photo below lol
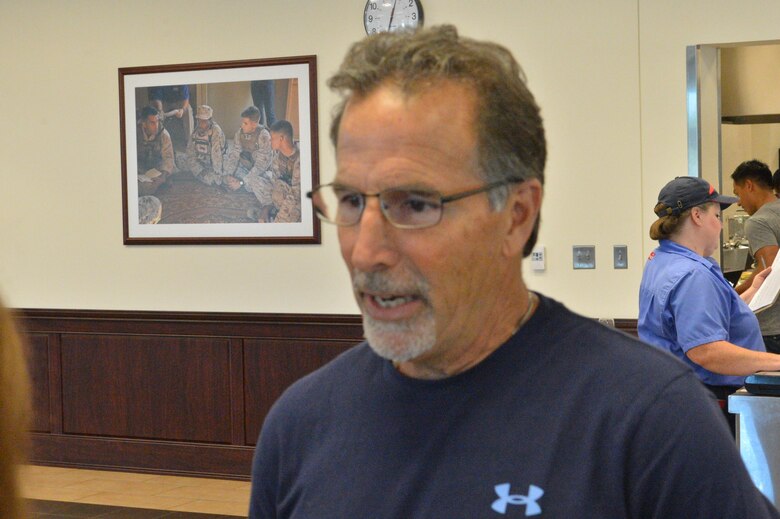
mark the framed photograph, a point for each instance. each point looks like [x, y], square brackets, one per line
[219, 153]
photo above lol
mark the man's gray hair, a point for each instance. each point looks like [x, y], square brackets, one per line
[510, 134]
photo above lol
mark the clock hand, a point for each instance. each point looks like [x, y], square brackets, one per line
[392, 11]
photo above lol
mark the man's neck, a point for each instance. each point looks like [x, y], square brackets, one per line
[765, 197]
[458, 358]
[288, 150]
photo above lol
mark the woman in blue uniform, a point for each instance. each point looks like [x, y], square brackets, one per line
[686, 306]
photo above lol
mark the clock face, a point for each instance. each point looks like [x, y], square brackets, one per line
[392, 15]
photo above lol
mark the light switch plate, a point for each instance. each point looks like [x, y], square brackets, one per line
[584, 256]
[538, 258]
[620, 256]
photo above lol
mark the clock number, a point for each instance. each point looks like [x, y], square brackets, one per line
[411, 3]
[370, 18]
[414, 16]
[373, 6]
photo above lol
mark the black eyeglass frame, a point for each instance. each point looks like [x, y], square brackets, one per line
[442, 200]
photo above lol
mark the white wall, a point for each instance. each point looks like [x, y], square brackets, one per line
[609, 75]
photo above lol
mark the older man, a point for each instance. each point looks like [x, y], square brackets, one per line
[473, 396]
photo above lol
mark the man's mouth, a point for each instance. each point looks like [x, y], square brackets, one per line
[386, 297]
[387, 307]
[391, 301]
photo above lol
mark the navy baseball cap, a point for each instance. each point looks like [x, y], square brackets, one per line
[685, 192]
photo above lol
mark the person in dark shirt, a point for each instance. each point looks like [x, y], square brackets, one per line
[474, 396]
[173, 103]
[264, 98]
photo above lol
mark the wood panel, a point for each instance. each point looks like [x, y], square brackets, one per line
[271, 366]
[194, 324]
[38, 363]
[188, 459]
[166, 392]
[627, 326]
[237, 422]
[168, 388]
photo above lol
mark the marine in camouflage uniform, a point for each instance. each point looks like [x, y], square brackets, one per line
[286, 166]
[154, 150]
[249, 159]
[206, 148]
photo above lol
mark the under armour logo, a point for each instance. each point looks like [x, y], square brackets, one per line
[505, 499]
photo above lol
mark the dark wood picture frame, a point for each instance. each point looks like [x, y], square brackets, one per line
[189, 210]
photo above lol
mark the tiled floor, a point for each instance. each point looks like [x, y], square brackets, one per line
[140, 491]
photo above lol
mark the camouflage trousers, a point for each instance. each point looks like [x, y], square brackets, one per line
[203, 172]
[287, 201]
[261, 184]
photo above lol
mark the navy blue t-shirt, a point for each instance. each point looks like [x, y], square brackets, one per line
[567, 419]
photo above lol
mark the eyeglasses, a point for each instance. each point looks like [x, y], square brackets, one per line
[405, 208]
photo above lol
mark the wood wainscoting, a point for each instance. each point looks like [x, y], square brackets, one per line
[174, 393]
[169, 392]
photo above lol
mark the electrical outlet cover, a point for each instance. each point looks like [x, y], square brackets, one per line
[620, 256]
[584, 256]
[538, 258]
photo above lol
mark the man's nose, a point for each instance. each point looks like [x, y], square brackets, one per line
[374, 247]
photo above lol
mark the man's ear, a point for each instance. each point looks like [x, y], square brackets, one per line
[523, 206]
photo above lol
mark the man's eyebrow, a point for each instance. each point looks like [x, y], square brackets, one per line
[411, 186]
[342, 185]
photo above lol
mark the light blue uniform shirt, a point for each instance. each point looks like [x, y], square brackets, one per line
[684, 302]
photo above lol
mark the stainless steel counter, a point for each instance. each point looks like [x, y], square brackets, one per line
[758, 439]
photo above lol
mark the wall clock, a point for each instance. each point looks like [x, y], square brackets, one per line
[392, 15]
